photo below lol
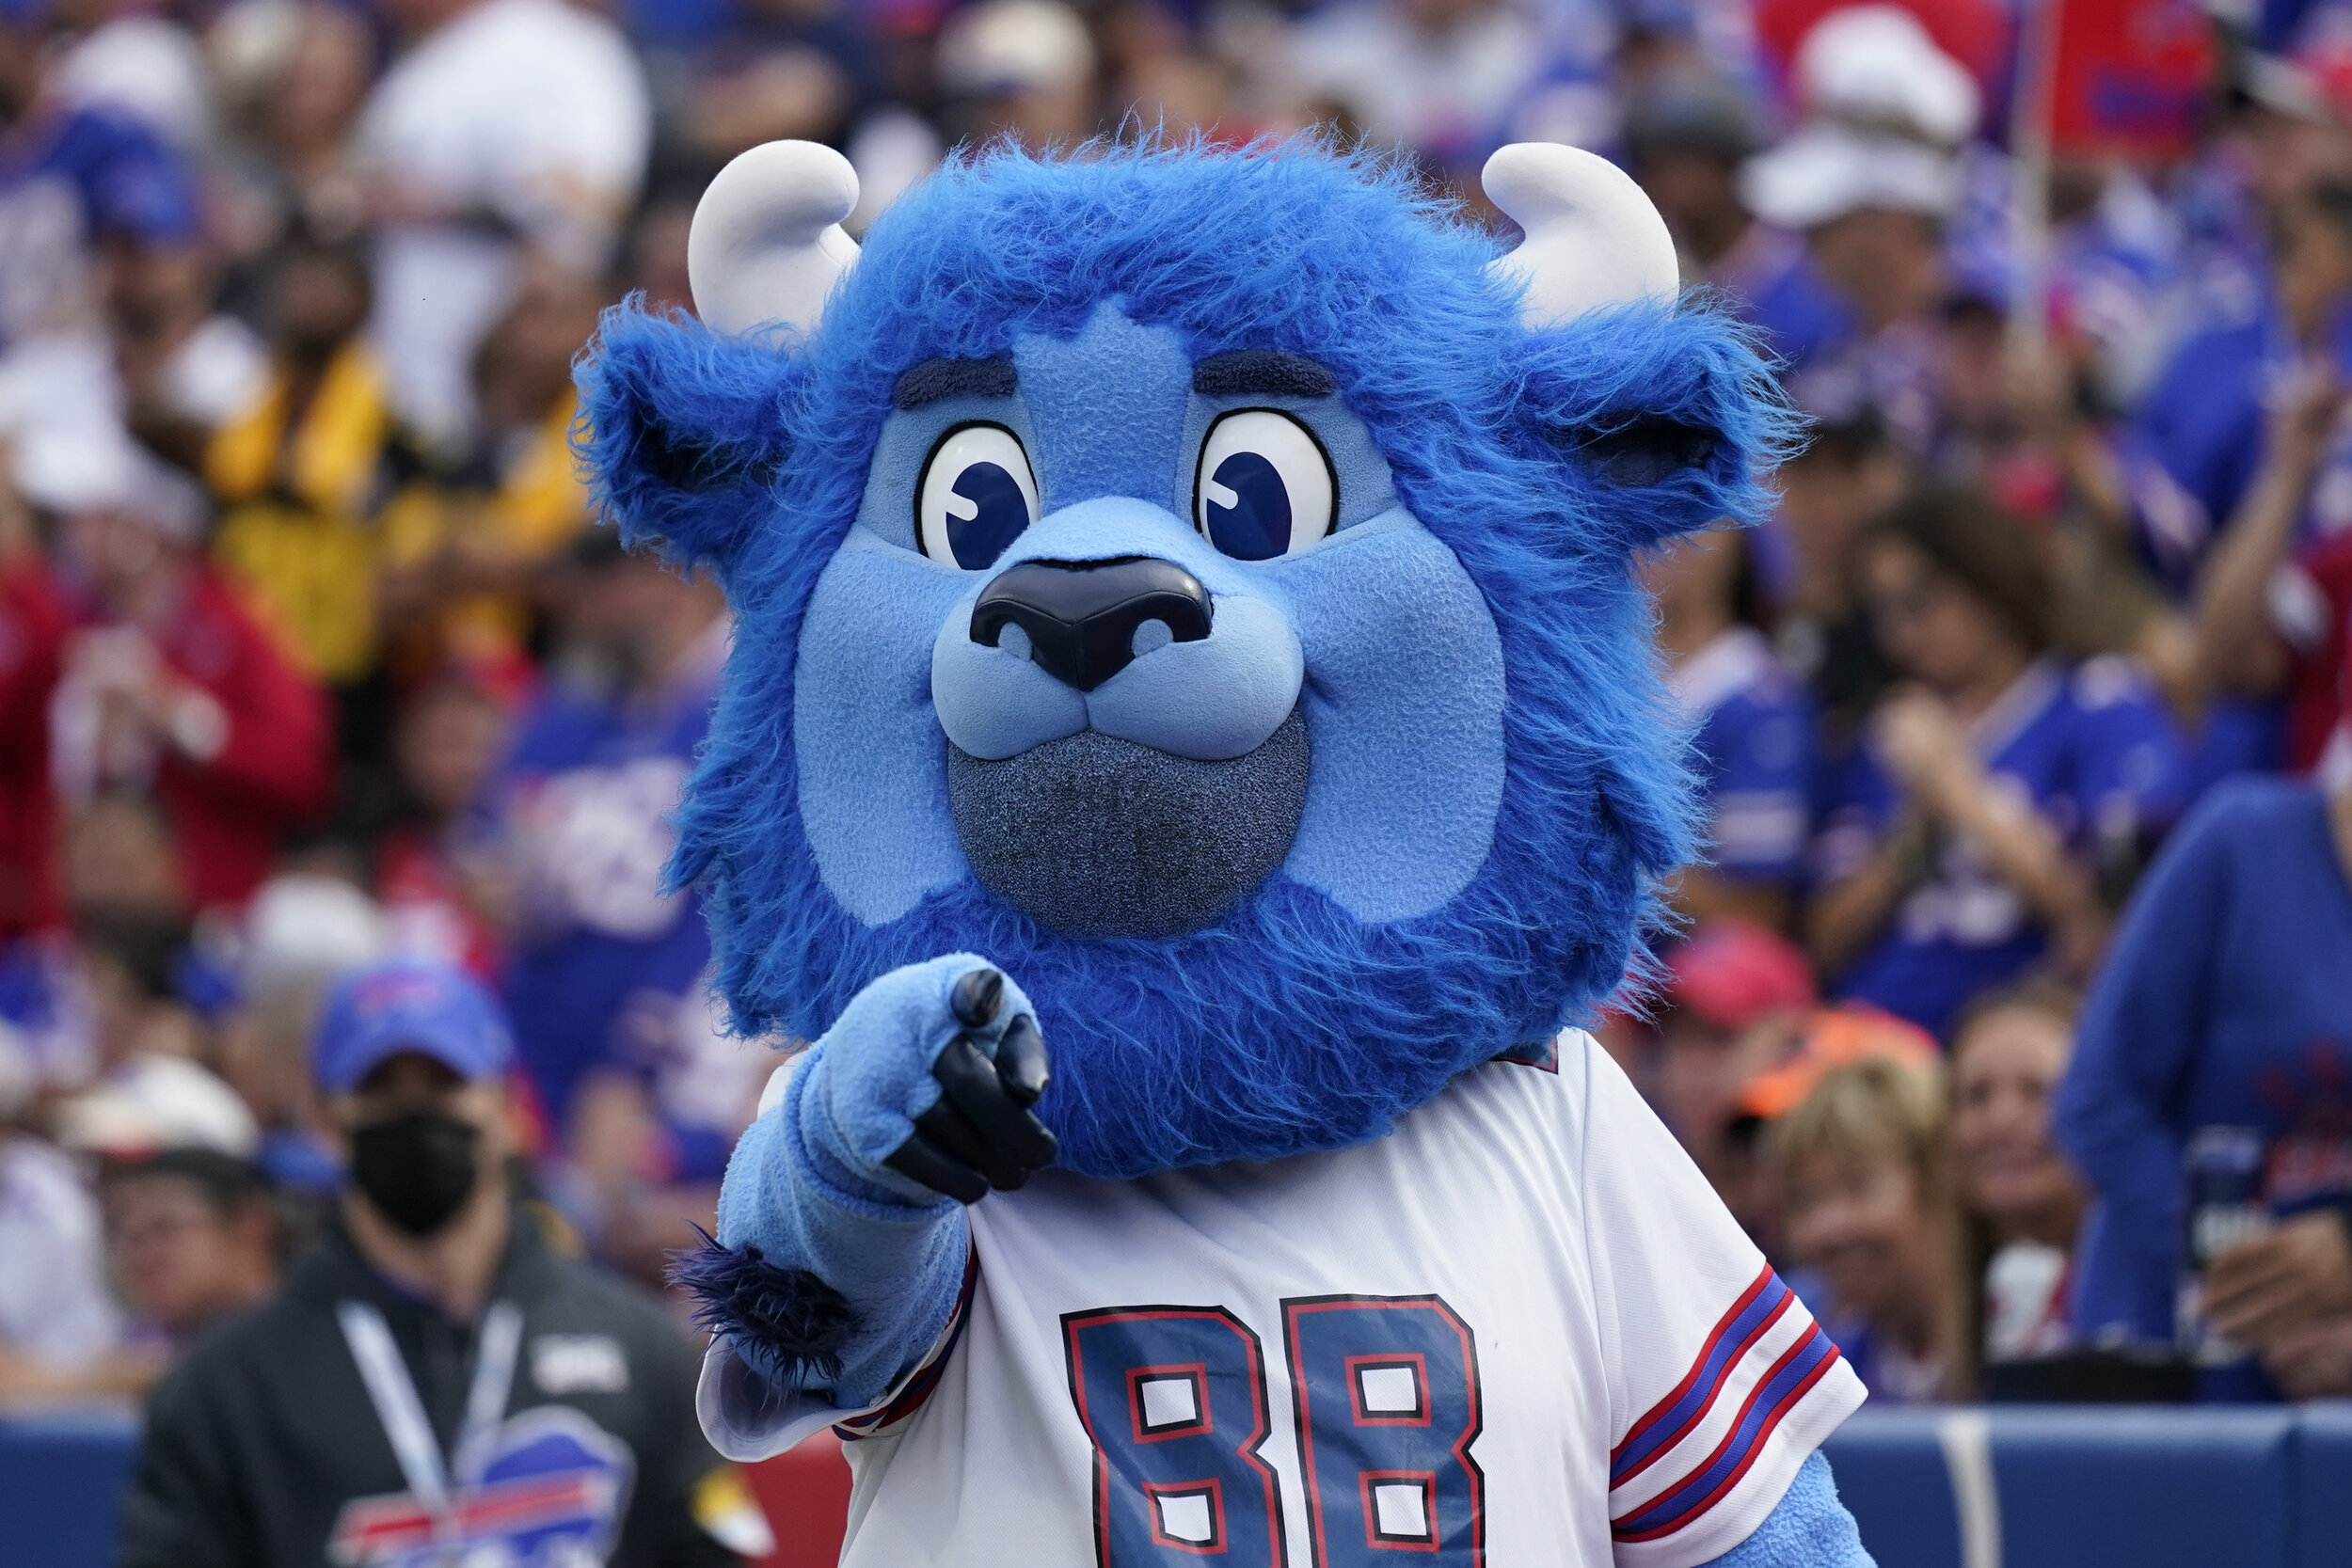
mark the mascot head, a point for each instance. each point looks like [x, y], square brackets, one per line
[1199, 581]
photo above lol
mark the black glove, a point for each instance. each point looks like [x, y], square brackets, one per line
[982, 1133]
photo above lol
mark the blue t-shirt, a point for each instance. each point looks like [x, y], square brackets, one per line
[1772, 283]
[2226, 1001]
[603, 956]
[2194, 443]
[2188, 459]
[1753, 752]
[2095, 753]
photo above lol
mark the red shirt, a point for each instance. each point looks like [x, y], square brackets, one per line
[420, 894]
[274, 771]
[2315, 683]
[32, 636]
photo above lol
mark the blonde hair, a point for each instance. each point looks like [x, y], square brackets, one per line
[1881, 1108]
[1877, 1106]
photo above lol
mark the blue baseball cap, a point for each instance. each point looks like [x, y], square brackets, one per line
[379, 1012]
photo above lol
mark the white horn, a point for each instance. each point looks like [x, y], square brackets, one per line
[1593, 238]
[767, 246]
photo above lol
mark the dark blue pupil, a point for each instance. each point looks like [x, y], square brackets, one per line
[979, 539]
[1257, 527]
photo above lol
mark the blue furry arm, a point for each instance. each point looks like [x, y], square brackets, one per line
[1809, 1529]
[832, 1276]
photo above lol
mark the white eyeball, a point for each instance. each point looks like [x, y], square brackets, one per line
[1265, 487]
[975, 497]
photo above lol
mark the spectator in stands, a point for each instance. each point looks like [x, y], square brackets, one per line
[1023, 68]
[188, 367]
[451, 738]
[302, 932]
[779, 69]
[1686, 134]
[650, 1124]
[2223, 1004]
[73, 178]
[1861, 1165]
[1736, 1002]
[58, 1323]
[1754, 730]
[464, 551]
[192, 1237]
[1847, 473]
[2240, 475]
[1435, 77]
[127, 958]
[1161, 75]
[602, 959]
[2199, 438]
[2273, 593]
[506, 132]
[126, 1081]
[1872, 182]
[298, 471]
[2020, 1198]
[1730, 974]
[292, 78]
[33, 629]
[1999, 788]
[120, 854]
[657, 254]
[408, 1333]
[169, 686]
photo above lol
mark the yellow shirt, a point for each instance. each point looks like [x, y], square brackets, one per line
[297, 535]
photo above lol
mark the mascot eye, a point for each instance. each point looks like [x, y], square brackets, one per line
[1265, 487]
[976, 496]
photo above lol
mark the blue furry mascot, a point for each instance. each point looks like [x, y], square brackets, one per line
[1191, 747]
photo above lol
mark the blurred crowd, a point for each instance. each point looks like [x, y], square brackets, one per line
[2006, 723]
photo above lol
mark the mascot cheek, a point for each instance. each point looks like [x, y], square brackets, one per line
[873, 767]
[1405, 695]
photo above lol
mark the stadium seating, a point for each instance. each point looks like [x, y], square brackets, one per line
[2048, 1487]
[61, 1479]
[62, 1476]
[2006, 1487]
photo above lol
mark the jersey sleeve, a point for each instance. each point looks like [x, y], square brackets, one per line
[1720, 1381]
[2132, 772]
[748, 1417]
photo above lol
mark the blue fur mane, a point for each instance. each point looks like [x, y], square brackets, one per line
[1290, 1025]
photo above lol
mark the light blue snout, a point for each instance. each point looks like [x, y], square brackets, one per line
[1208, 698]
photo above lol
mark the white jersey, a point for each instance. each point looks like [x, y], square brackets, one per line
[1519, 1331]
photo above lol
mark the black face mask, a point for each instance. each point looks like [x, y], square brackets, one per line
[417, 1170]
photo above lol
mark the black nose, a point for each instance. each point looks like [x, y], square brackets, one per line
[1081, 616]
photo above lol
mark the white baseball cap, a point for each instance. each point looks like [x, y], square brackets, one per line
[153, 1102]
[1013, 45]
[1827, 170]
[93, 466]
[1876, 65]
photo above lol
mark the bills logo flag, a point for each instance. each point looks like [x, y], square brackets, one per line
[2128, 77]
[545, 1490]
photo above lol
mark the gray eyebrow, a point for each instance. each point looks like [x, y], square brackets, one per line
[1264, 370]
[937, 380]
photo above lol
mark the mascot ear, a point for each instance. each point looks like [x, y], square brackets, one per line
[1660, 424]
[681, 421]
[682, 432]
[1663, 417]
